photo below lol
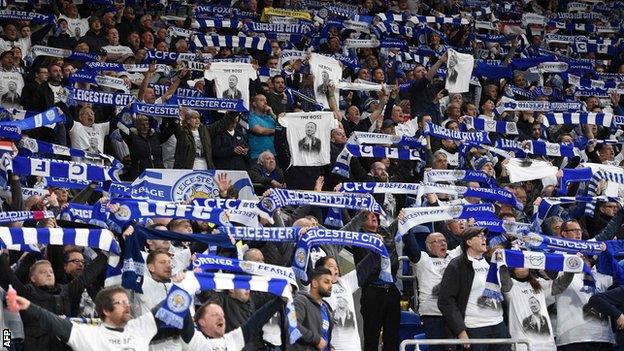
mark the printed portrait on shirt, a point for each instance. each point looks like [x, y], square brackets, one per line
[342, 316]
[310, 143]
[535, 322]
[232, 91]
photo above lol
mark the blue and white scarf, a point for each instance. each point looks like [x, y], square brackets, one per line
[46, 118]
[216, 263]
[593, 186]
[156, 110]
[284, 197]
[513, 105]
[39, 50]
[8, 131]
[589, 83]
[204, 103]
[27, 16]
[355, 147]
[295, 28]
[447, 175]
[532, 260]
[21, 216]
[233, 204]
[134, 209]
[501, 226]
[195, 282]
[540, 242]
[485, 125]
[599, 119]
[491, 194]
[317, 236]
[99, 97]
[35, 146]
[83, 214]
[379, 188]
[416, 216]
[215, 23]
[285, 234]
[444, 133]
[102, 81]
[169, 57]
[232, 41]
[54, 168]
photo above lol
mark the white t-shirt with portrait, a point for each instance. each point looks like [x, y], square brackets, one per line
[135, 336]
[76, 27]
[232, 341]
[345, 330]
[481, 311]
[429, 272]
[523, 322]
[573, 326]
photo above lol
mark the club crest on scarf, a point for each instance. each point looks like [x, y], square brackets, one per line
[178, 301]
[455, 211]
[573, 262]
[300, 257]
[196, 185]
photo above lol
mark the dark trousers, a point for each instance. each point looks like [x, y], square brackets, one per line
[381, 309]
[435, 329]
[582, 346]
[499, 331]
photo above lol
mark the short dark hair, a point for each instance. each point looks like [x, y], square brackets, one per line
[320, 263]
[318, 272]
[151, 257]
[68, 253]
[104, 299]
[199, 313]
[275, 77]
[565, 224]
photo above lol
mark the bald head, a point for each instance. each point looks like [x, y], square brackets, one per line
[436, 245]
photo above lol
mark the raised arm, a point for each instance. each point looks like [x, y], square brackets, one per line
[47, 321]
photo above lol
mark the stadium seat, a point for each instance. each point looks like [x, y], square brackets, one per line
[410, 325]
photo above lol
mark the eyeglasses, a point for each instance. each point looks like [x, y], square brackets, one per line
[573, 230]
[76, 261]
[122, 303]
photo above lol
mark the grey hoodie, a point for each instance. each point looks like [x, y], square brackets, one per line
[309, 322]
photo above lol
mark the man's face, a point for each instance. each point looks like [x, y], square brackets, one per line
[121, 314]
[161, 267]
[159, 244]
[478, 243]
[87, 117]
[260, 102]
[43, 276]
[323, 284]
[534, 305]
[10, 31]
[437, 245]
[184, 227]
[7, 61]
[212, 323]
[572, 230]
[68, 71]
[55, 74]
[149, 96]
[113, 36]
[440, 161]
[272, 63]
[419, 72]
[371, 224]
[268, 162]
[232, 81]
[310, 129]
[609, 209]
[279, 85]
[606, 153]
[353, 114]
[555, 228]
[333, 267]
[75, 264]
[339, 136]
[12, 87]
[456, 226]
[142, 126]
[325, 76]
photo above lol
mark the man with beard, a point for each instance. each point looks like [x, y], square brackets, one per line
[313, 313]
[117, 332]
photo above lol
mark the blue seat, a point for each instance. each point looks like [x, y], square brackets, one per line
[410, 325]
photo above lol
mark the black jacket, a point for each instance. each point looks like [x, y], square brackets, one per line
[145, 152]
[223, 154]
[61, 300]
